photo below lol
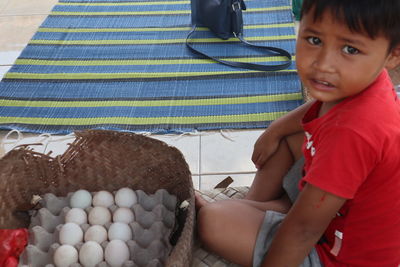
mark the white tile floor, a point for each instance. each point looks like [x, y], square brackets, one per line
[211, 156]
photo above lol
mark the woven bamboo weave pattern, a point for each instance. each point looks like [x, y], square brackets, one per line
[100, 160]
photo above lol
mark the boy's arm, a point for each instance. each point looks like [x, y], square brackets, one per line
[268, 142]
[303, 227]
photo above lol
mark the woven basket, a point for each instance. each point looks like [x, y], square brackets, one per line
[100, 160]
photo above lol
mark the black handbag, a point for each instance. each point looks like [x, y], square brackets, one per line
[224, 18]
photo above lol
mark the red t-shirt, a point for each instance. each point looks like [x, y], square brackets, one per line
[353, 151]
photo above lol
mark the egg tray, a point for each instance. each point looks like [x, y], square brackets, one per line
[151, 230]
[100, 160]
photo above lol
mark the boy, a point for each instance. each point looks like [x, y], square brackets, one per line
[348, 210]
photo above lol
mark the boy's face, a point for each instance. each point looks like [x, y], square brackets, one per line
[334, 63]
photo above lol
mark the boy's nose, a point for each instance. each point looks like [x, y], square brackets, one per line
[325, 61]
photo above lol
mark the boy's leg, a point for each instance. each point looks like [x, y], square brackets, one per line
[267, 183]
[230, 228]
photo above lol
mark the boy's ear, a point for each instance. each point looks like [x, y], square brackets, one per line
[393, 59]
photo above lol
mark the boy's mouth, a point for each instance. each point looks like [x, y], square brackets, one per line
[322, 85]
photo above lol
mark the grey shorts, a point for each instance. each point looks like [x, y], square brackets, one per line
[273, 219]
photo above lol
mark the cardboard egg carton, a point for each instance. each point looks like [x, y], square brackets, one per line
[151, 230]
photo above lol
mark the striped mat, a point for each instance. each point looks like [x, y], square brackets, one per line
[123, 65]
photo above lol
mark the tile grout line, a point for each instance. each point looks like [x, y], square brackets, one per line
[199, 162]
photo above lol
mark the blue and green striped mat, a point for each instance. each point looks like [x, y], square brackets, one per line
[123, 65]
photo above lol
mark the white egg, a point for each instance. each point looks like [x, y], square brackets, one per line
[96, 233]
[125, 197]
[103, 198]
[76, 215]
[99, 215]
[90, 254]
[65, 255]
[120, 231]
[70, 234]
[80, 199]
[124, 215]
[116, 253]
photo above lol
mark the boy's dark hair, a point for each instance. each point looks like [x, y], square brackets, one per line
[374, 17]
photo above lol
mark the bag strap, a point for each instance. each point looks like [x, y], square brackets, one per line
[237, 32]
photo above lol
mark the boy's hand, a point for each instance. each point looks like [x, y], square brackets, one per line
[265, 147]
[268, 142]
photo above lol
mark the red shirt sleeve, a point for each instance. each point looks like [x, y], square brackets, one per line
[341, 162]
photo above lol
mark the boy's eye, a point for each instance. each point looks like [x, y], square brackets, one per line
[314, 40]
[350, 50]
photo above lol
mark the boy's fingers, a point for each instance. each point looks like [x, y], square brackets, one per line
[259, 163]
[258, 166]
[254, 157]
